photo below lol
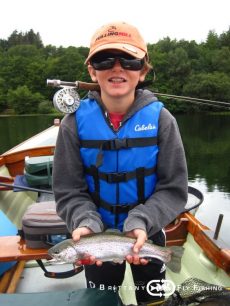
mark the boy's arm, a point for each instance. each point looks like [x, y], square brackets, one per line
[170, 196]
[74, 204]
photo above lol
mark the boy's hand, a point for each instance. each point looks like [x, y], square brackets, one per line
[76, 235]
[141, 237]
[80, 231]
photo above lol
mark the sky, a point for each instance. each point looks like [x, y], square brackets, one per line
[73, 22]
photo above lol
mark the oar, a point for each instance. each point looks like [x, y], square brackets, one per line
[12, 186]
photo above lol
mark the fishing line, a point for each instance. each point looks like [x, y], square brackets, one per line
[192, 99]
[208, 104]
[213, 103]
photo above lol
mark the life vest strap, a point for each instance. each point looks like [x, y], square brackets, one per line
[115, 209]
[95, 174]
[117, 177]
[140, 174]
[117, 144]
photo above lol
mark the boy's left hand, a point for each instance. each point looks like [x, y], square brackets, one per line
[141, 237]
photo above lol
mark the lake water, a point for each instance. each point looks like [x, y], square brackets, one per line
[206, 140]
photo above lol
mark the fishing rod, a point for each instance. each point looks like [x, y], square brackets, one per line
[192, 99]
[25, 188]
[77, 84]
[209, 104]
[67, 99]
[213, 103]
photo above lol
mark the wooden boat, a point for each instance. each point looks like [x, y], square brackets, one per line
[205, 257]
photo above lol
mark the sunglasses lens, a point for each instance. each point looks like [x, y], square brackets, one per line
[132, 64]
[104, 61]
[104, 64]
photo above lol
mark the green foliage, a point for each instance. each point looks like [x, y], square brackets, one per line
[212, 41]
[68, 65]
[213, 86]
[3, 103]
[181, 68]
[23, 101]
[3, 98]
[45, 107]
[225, 39]
[27, 38]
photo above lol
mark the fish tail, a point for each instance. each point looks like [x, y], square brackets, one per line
[175, 263]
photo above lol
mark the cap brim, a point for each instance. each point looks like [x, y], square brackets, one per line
[132, 50]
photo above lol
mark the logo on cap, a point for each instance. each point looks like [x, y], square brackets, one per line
[112, 28]
[111, 32]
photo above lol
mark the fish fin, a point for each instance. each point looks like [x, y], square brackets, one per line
[175, 263]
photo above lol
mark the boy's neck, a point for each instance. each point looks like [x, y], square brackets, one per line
[117, 105]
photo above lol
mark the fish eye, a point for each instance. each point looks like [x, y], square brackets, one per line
[56, 252]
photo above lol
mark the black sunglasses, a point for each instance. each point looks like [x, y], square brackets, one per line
[105, 60]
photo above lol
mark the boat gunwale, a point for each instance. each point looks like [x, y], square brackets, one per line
[201, 234]
[14, 149]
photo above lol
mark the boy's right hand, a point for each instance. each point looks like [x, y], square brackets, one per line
[76, 235]
[80, 231]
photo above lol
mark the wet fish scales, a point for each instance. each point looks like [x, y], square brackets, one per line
[109, 247]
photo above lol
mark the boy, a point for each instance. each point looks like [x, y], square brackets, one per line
[119, 160]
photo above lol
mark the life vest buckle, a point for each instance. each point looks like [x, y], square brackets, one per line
[119, 209]
[116, 177]
[117, 144]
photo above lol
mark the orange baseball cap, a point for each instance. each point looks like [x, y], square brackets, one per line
[120, 36]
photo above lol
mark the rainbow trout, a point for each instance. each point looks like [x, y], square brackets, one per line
[113, 247]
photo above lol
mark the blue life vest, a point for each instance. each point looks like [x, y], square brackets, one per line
[120, 166]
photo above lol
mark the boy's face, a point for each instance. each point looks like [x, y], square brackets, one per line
[117, 73]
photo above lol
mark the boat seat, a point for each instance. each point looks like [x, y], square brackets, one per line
[38, 170]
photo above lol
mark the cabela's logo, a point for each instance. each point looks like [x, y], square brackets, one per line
[143, 127]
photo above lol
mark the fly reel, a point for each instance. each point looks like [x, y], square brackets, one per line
[66, 100]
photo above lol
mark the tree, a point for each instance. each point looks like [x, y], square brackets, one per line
[213, 86]
[166, 44]
[212, 41]
[45, 107]
[3, 98]
[68, 66]
[4, 44]
[179, 69]
[23, 101]
[224, 39]
[220, 60]
[27, 38]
